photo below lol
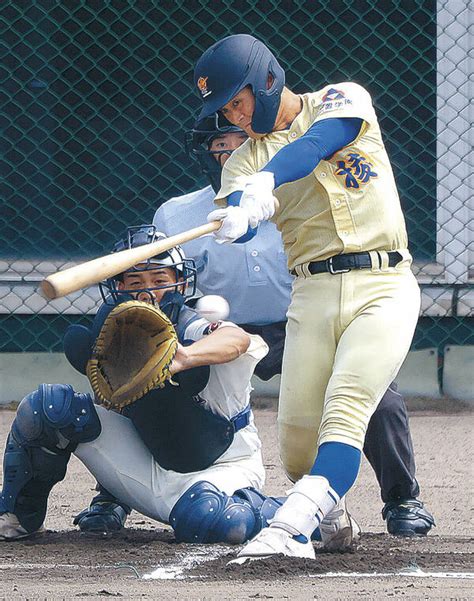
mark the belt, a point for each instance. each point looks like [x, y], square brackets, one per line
[242, 419]
[345, 263]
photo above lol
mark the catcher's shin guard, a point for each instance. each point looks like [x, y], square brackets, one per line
[49, 424]
[29, 475]
[204, 514]
[264, 507]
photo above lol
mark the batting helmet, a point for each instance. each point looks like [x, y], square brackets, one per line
[185, 272]
[230, 65]
[198, 141]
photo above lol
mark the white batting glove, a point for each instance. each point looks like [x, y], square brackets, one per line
[235, 223]
[257, 197]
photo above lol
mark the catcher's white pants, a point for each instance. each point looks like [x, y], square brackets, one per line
[121, 462]
[347, 337]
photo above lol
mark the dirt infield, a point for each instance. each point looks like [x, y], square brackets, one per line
[63, 564]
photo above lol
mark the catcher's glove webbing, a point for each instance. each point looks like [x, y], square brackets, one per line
[132, 354]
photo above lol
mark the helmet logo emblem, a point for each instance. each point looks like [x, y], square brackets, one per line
[202, 85]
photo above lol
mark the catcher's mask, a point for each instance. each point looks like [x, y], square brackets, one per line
[183, 286]
[198, 142]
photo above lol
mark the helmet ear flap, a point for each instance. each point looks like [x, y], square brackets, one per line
[267, 99]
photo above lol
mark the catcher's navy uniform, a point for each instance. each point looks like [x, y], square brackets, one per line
[199, 469]
[159, 460]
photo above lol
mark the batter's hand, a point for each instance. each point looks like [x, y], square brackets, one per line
[235, 223]
[257, 197]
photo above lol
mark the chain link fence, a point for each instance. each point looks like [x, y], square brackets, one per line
[95, 97]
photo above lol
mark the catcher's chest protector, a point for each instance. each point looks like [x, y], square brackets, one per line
[180, 433]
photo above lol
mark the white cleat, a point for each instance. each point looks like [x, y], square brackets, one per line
[339, 529]
[274, 541]
[10, 528]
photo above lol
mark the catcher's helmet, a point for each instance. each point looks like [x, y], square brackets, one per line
[198, 141]
[174, 258]
[230, 65]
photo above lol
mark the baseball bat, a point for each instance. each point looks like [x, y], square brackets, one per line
[92, 272]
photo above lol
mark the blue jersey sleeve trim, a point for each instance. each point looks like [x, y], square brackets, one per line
[322, 140]
[233, 200]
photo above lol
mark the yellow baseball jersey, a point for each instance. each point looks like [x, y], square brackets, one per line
[349, 203]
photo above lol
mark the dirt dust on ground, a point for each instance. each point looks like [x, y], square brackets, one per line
[144, 561]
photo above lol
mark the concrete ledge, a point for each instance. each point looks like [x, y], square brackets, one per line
[418, 375]
[270, 388]
[458, 373]
[21, 373]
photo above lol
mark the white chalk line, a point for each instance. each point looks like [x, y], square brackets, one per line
[176, 571]
[410, 573]
[165, 572]
[50, 566]
[188, 561]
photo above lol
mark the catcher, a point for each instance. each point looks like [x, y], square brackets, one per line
[172, 437]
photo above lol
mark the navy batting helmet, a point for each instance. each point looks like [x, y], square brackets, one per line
[198, 141]
[230, 65]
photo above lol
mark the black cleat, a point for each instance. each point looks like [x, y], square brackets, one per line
[407, 517]
[102, 518]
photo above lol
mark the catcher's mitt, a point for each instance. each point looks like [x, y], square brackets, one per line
[132, 354]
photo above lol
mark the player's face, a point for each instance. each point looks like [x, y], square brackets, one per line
[239, 111]
[225, 145]
[151, 278]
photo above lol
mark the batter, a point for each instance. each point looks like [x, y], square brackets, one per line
[355, 301]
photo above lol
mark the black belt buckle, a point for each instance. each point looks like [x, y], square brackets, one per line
[331, 268]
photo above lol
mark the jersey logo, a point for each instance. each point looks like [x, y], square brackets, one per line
[332, 100]
[202, 86]
[356, 170]
[333, 94]
[212, 327]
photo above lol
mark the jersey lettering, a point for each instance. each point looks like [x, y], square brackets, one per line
[356, 169]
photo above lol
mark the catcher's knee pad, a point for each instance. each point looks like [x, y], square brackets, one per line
[56, 417]
[204, 514]
[29, 474]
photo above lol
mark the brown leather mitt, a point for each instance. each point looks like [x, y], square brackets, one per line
[132, 354]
